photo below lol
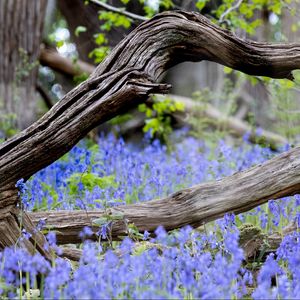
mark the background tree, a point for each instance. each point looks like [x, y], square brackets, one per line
[21, 24]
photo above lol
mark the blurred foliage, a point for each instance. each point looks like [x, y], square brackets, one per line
[243, 18]
[158, 116]
[7, 126]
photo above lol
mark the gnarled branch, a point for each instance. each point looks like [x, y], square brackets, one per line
[235, 126]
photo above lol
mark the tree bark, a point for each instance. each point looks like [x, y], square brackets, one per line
[125, 79]
[55, 61]
[21, 25]
[252, 240]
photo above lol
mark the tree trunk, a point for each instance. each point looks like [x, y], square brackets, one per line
[21, 25]
[125, 79]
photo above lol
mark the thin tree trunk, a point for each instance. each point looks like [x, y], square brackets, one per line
[125, 79]
[21, 25]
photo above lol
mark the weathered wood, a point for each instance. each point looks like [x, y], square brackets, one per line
[126, 78]
[278, 177]
[71, 253]
[252, 240]
[235, 126]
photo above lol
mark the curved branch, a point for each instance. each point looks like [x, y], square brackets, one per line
[128, 76]
[236, 127]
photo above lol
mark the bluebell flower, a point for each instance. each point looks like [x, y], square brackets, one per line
[146, 235]
[86, 232]
[21, 186]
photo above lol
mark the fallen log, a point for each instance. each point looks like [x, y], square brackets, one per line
[252, 240]
[277, 178]
[125, 79]
[234, 125]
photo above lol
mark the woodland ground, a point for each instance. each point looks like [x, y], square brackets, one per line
[204, 263]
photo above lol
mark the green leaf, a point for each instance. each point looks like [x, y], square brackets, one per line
[201, 4]
[227, 70]
[120, 119]
[179, 106]
[100, 221]
[59, 44]
[99, 53]
[90, 181]
[79, 30]
[117, 216]
[100, 39]
[142, 107]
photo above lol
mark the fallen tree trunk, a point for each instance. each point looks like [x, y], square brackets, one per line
[235, 126]
[254, 243]
[125, 79]
[194, 206]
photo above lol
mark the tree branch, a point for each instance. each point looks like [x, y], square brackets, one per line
[236, 127]
[52, 59]
[229, 10]
[252, 241]
[277, 178]
[126, 78]
[120, 11]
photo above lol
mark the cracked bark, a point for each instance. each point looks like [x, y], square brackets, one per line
[235, 126]
[125, 79]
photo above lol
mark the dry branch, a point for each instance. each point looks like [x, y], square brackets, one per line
[278, 177]
[125, 79]
[121, 11]
[52, 59]
[236, 127]
[252, 244]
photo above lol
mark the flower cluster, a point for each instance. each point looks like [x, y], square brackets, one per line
[115, 173]
[178, 266]
[184, 264]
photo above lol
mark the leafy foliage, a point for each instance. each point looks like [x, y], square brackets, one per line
[158, 120]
